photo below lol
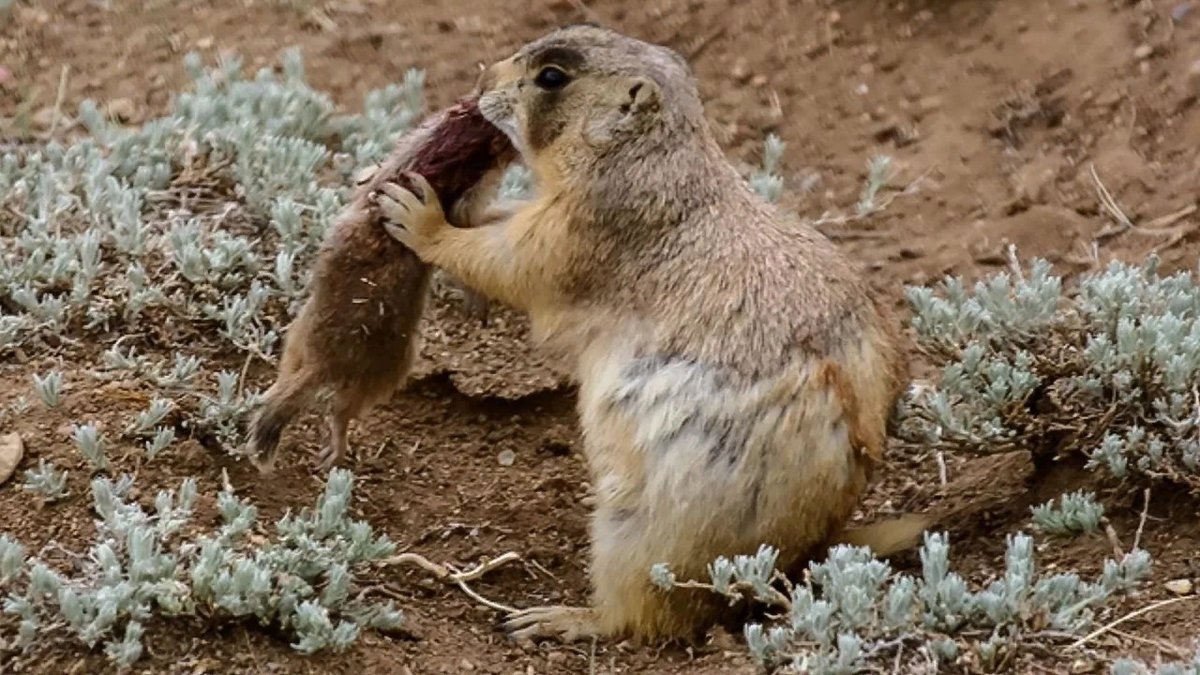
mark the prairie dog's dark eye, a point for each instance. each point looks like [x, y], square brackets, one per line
[551, 77]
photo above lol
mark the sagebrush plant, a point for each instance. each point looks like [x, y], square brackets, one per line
[1136, 667]
[1109, 368]
[766, 180]
[47, 481]
[298, 578]
[853, 613]
[1073, 513]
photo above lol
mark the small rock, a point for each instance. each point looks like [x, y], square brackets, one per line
[205, 42]
[466, 665]
[758, 80]
[1143, 52]
[556, 657]
[740, 72]
[506, 457]
[12, 449]
[6, 76]
[929, 104]
[1180, 586]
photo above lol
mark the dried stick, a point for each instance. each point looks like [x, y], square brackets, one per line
[1137, 538]
[450, 575]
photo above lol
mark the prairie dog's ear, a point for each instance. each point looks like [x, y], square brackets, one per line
[641, 95]
[626, 105]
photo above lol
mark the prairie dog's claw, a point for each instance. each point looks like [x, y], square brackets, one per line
[399, 234]
[566, 624]
[426, 192]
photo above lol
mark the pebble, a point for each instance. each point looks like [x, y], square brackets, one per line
[1143, 52]
[929, 104]
[1180, 586]
[506, 457]
[740, 71]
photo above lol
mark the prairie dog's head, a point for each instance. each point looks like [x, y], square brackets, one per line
[588, 90]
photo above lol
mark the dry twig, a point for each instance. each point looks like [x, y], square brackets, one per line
[450, 575]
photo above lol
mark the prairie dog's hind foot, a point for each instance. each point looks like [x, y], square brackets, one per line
[330, 456]
[339, 432]
[566, 624]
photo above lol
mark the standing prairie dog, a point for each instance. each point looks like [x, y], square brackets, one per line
[735, 375]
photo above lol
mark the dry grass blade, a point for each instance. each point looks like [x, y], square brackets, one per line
[1132, 615]
[1110, 206]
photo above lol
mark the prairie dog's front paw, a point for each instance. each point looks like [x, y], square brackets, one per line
[413, 219]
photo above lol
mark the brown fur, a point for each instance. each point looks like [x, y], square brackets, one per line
[736, 375]
[357, 333]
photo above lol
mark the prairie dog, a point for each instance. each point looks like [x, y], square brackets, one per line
[356, 335]
[736, 377]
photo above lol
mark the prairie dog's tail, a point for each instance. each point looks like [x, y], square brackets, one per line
[886, 537]
[288, 397]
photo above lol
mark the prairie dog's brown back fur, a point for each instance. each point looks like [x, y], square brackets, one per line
[736, 376]
[356, 335]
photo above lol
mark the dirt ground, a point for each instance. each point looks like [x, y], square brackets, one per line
[995, 114]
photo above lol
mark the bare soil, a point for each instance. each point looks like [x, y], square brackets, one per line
[995, 114]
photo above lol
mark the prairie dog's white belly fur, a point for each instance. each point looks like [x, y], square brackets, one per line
[689, 463]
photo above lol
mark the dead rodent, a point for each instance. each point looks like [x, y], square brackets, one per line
[735, 374]
[356, 336]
